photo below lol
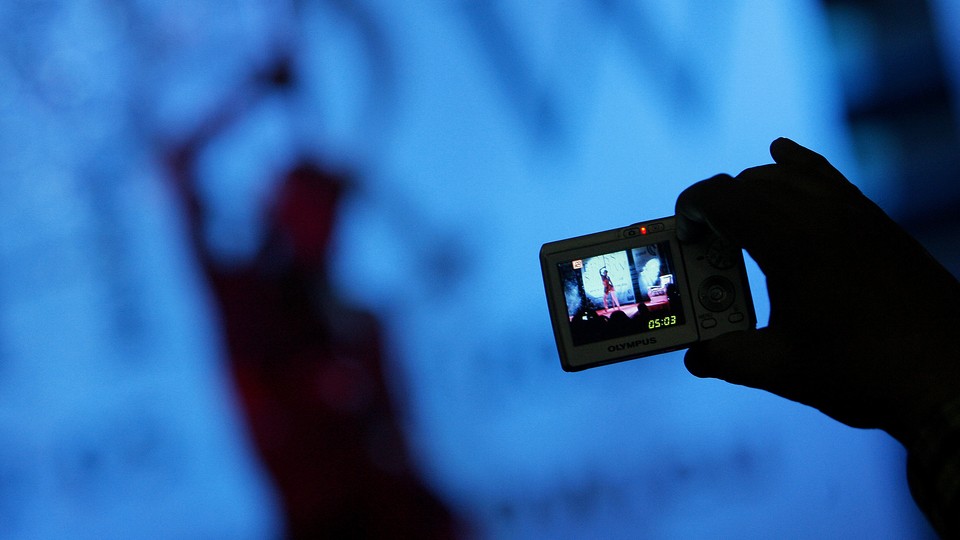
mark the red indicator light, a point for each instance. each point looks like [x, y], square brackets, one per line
[643, 230]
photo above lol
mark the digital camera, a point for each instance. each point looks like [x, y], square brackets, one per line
[637, 291]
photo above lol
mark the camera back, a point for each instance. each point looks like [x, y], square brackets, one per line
[638, 291]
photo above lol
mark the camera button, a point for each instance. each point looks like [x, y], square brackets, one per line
[721, 254]
[708, 322]
[716, 293]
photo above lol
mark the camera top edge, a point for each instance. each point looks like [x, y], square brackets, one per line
[650, 227]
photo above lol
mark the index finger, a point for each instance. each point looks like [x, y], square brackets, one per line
[711, 205]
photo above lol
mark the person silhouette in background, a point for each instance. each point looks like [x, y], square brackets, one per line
[861, 360]
[308, 367]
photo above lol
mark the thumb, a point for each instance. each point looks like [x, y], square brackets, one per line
[791, 155]
[755, 358]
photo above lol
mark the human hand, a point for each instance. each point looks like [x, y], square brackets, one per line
[863, 321]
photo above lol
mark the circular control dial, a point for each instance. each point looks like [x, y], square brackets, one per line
[720, 254]
[716, 293]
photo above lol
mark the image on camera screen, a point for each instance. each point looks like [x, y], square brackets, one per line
[621, 293]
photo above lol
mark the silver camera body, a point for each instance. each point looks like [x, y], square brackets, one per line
[638, 291]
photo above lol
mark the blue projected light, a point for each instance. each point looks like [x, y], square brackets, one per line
[477, 131]
[520, 128]
[120, 418]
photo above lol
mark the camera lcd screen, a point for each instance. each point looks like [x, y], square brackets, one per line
[622, 293]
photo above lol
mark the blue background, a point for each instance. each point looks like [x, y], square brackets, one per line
[475, 131]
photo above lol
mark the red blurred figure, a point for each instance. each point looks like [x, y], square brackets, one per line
[308, 368]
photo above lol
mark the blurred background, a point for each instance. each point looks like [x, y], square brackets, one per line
[269, 268]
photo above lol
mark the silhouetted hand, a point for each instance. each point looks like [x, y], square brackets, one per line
[864, 323]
